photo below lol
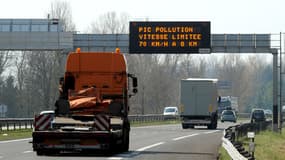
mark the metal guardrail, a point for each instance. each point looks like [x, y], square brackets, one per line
[16, 123]
[27, 123]
[151, 118]
[233, 146]
[243, 115]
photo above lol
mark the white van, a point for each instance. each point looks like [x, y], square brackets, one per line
[170, 112]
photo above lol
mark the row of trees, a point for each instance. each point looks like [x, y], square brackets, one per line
[160, 75]
[29, 80]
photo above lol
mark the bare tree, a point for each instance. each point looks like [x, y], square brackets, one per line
[111, 23]
[62, 10]
[192, 66]
[5, 56]
[38, 72]
[4, 62]
[21, 74]
[21, 66]
[238, 72]
[10, 96]
[262, 82]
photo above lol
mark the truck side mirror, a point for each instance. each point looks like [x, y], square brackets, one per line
[61, 80]
[135, 85]
[219, 99]
[69, 82]
[61, 85]
[135, 82]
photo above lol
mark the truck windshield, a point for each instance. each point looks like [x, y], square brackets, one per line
[169, 110]
[228, 113]
[224, 104]
[258, 114]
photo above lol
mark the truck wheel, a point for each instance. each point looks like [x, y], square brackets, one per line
[126, 140]
[47, 152]
[191, 126]
[215, 125]
[40, 152]
[184, 126]
[212, 126]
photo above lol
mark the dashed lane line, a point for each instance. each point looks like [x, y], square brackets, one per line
[27, 152]
[115, 158]
[150, 146]
[136, 152]
[183, 137]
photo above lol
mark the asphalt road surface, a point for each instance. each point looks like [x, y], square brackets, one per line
[149, 143]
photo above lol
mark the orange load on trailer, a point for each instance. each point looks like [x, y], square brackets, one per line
[94, 79]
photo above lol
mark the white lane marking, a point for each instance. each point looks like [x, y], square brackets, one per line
[120, 156]
[136, 152]
[211, 132]
[191, 135]
[150, 146]
[116, 158]
[155, 126]
[27, 152]
[16, 140]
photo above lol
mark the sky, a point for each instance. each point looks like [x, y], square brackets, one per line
[226, 16]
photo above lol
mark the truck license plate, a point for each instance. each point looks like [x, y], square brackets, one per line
[69, 146]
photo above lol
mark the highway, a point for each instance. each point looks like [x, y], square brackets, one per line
[149, 142]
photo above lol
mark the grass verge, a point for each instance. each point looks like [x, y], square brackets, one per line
[15, 134]
[223, 154]
[27, 133]
[268, 146]
[137, 124]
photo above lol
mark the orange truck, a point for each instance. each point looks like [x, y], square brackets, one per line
[92, 110]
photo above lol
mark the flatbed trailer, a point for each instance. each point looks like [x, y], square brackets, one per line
[68, 134]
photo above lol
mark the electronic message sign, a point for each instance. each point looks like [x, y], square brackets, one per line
[169, 37]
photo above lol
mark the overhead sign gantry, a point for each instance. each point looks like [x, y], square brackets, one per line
[34, 34]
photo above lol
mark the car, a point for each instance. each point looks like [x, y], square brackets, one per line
[170, 112]
[268, 113]
[228, 115]
[257, 115]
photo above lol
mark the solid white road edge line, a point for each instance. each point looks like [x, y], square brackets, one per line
[16, 140]
[191, 135]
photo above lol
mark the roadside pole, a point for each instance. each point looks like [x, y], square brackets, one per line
[275, 90]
